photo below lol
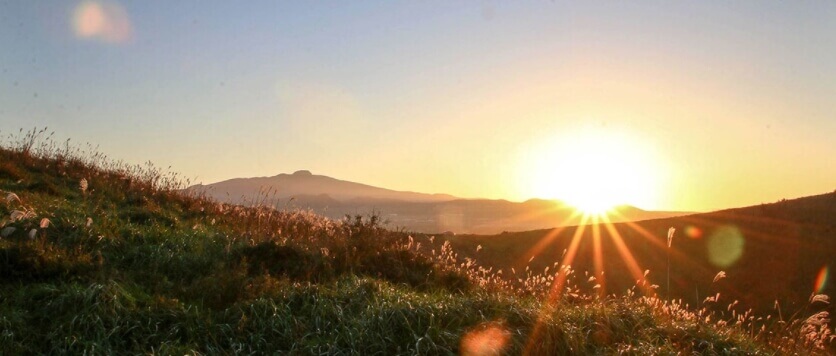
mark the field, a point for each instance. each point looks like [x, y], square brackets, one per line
[103, 257]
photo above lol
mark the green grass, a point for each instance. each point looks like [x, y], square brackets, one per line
[156, 271]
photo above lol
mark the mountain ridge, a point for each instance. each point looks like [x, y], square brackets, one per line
[420, 212]
[339, 189]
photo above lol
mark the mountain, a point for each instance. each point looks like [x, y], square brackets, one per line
[304, 184]
[781, 251]
[430, 213]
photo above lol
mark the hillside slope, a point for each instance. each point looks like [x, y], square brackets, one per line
[101, 257]
[782, 251]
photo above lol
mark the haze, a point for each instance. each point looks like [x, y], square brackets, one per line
[723, 104]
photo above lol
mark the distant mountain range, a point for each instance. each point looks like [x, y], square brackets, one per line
[431, 213]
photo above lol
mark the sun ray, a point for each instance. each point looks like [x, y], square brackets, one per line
[550, 236]
[539, 213]
[686, 262]
[598, 258]
[557, 284]
[569, 257]
[626, 255]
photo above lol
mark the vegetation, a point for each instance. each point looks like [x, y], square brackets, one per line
[781, 251]
[102, 257]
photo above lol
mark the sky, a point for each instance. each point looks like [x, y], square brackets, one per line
[688, 106]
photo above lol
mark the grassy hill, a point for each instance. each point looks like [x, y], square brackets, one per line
[780, 252]
[102, 257]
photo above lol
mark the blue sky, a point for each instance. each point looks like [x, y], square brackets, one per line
[438, 96]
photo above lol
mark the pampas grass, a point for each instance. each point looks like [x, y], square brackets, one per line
[17, 215]
[165, 272]
[820, 298]
[11, 197]
[671, 231]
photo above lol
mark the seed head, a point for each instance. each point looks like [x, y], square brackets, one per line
[820, 298]
[671, 231]
[17, 215]
[10, 197]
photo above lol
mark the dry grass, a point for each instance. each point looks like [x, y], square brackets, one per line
[121, 261]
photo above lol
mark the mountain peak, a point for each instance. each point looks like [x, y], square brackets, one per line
[305, 183]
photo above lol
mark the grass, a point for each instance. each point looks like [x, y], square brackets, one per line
[133, 265]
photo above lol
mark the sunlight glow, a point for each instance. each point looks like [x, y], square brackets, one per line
[557, 285]
[549, 238]
[598, 254]
[626, 255]
[593, 170]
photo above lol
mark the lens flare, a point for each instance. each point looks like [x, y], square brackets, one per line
[102, 21]
[693, 232]
[725, 246]
[821, 279]
[487, 339]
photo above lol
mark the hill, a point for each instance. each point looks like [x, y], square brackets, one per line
[102, 257]
[782, 251]
[428, 213]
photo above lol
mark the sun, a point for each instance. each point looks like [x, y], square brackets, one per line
[593, 171]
